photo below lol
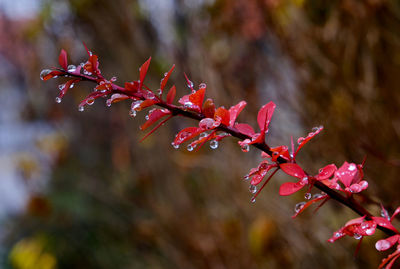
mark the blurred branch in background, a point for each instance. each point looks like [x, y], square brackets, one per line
[83, 193]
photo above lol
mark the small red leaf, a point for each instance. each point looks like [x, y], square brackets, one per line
[154, 116]
[293, 170]
[384, 223]
[244, 128]
[143, 71]
[304, 140]
[117, 97]
[186, 134]
[208, 108]
[289, 188]
[171, 95]
[62, 59]
[197, 98]
[310, 203]
[326, 172]
[264, 116]
[164, 80]
[222, 115]
[387, 243]
[234, 112]
[396, 212]
[146, 103]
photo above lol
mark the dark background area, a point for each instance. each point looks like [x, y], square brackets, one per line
[78, 190]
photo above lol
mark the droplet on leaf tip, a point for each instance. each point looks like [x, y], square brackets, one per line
[253, 189]
[58, 100]
[357, 236]
[81, 108]
[90, 101]
[213, 144]
[176, 146]
[307, 196]
[44, 73]
[253, 200]
[246, 177]
[159, 91]
[245, 148]
[147, 117]
[190, 147]
[132, 113]
[299, 206]
[71, 68]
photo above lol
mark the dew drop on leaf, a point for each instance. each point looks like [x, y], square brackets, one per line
[189, 147]
[202, 85]
[357, 236]
[253, 189]
[90, 101]
[81, 108]
[206, 123]
[245, 148]
[71, 68]
[300, 140]
[61, 87]
[58, 100]
[44, 73]
[132, 113]
[176, 146]
[304, 180]
[317, 195]
[253, 200]
[213, 144]
[146, 117]
[337, 234]
[299, 206]
[159, 91]
[307, 196]
[246, 177]
[202, 135]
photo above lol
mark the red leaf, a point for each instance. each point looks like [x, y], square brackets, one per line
[171, 95]
[67, 85]
[208, 108]
[132, 86]
[293, 170]
[304, 140]
[62, 59]
[117, 97]
[146, 103]
[50, 74]
[387, 243]
[264, 116]
[396, 212]
[222, 115]
[197, 98]
[310, 203]
[143, 71]
[186, 134]
[164, 80]
[234, 112]
[154, 116]
[387, 263]
[244, 128]
[289, 188]
[326, 172]
[384, 223]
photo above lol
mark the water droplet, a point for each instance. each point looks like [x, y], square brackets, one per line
[304, 180]
[159, 92]
[202, 135]
[253, 189]
[190, 84]
[317, 195]
[189, 147]
[71, 68]
[315, 129]
[44, 73]
[337, 234]
[246, 177]
[253, 200]
[113, 79]
[352, 167]
[165, 74]
[206, 123]
[223, 134]
[320, 171]
[81, 108]
[300, 140]
[245, 147]
[213, 144]
[176, 146]
[307, 196]
[58, 100]
[132, 113]
[357, 236]
[72, 85]
[147, 117]
[299, 206]
[384, 213]
[188, 104]
[108, 102]
[202, 85]
[90, 101]
[61, 86]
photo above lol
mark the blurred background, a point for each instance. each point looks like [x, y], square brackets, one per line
[78, 190]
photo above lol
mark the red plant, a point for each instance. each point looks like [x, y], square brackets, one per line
[217, 123]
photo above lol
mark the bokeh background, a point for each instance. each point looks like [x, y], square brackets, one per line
[78, 190]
